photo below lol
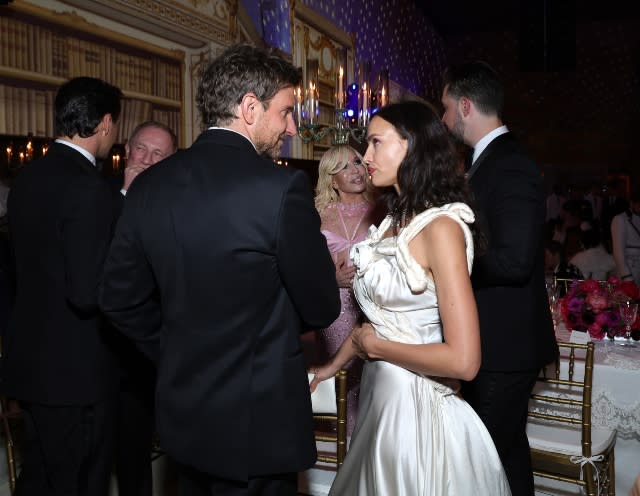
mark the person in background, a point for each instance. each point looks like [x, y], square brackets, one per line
[556, 265]
[625, 237]
[345, 203]
[508, 278]
[594, 197]
[216, 268]
[149, 143]
[554, 202]
[57, 360]
[593, 261]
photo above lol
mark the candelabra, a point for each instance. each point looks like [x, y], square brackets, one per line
[307, 107]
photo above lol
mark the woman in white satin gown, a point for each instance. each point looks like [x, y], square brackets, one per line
[414, 434]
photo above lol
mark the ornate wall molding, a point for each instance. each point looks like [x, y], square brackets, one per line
[191, 23]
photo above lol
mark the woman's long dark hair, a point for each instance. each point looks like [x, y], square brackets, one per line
[431, 173]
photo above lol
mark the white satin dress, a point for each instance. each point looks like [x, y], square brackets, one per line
[414, 435]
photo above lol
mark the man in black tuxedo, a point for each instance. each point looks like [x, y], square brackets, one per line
[150, 142]
[216, 268]
[516, 329]
[57, 362]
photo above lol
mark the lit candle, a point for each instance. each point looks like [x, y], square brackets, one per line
[9, 154]
[45, 149]
[298, 108]
[364, 105]
[312, 103]
[21, 158]
[340, 89]
[29, 150]
[383, 97]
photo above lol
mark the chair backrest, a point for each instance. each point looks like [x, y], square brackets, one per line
[563, 391]
[330, 406]
[564, 284]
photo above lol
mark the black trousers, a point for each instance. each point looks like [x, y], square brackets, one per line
[66, 450]
[135, 428]
[501, 400]
[194, 483]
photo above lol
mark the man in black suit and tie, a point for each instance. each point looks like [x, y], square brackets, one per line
[150, 143]
[516, 329]
[216, 268]
[57, 362]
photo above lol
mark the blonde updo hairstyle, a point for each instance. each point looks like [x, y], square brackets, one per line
[332, 162]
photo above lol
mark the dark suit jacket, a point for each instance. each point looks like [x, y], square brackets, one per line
[233, 244]
[60, 223]
[516, 329]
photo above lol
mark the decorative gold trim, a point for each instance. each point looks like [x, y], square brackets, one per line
[76, 22]
[310, 17]
[319, 45]
[232, 5]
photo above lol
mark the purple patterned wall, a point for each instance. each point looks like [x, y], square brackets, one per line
[390, 33]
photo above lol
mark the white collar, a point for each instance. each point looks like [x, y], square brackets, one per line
[84, 152]
[216, 128]
[486, 139]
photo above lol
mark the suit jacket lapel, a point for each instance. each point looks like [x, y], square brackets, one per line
[483, 155]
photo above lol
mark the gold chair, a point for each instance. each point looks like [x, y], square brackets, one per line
[332, 408]
[564, 445]
[562, 284]
[9, 413]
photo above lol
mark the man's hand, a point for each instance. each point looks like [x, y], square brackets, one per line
[130, 173]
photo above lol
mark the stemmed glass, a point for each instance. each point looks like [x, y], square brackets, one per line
[628, 314]
[554, 299]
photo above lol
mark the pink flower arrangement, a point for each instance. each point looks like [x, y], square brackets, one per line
[592, 306]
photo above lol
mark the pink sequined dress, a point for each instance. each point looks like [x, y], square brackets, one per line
[343, 226]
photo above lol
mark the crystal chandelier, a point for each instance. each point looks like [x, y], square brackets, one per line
[345, 124]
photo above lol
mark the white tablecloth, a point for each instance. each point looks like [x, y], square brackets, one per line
[616, 403]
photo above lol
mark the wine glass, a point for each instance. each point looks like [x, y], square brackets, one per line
[628, 314]
[554, 299]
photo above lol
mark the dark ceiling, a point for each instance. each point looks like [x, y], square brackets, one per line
[459, 17]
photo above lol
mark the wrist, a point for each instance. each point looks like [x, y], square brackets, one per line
[372, 346]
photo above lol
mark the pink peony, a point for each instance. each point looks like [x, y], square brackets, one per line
[596, 331]
[629, 288]
[589, 285]
[597, 300]
[613, 280]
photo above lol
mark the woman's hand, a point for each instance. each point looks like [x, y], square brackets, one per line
[322, 374]
[362, 338]
[344, 274]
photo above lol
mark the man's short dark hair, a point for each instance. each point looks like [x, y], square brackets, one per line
[239, 70]
[478, 82]
[81, 103]
[158, 125]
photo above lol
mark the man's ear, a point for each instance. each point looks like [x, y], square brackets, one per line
[106, 125]
[465, 106]
[249, 108]
[126, 150]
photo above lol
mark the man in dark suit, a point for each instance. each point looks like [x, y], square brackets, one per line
[516, 329]
[57, 362]
[216, 268]
[150, 142]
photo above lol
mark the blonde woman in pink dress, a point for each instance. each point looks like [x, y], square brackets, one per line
[344, 201]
